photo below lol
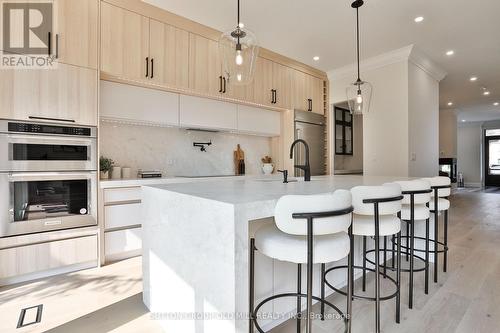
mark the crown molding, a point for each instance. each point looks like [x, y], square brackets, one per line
[408, 53]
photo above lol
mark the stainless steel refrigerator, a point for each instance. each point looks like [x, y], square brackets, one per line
[310, 127]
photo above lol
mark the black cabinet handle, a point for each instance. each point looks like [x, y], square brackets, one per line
[310, 102]
[224, 90]
[49, 44]
[57, 46]
[147, 66]
[152, 67]
[275, 96]
[272, 96]
[220, 83]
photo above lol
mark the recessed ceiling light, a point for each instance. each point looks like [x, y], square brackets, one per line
[473, 78]
[450, 103]
[463, 120]
[486, 93]
[450, 53]
[316, 58]
[419, 19]
[496, 104]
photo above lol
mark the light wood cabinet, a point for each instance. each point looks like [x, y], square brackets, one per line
[124, 43]
[28, 259]
[75, 35]
[317, 95]
[283, 84]
[67, 93]
[205, 67]
[169, 49]
[260, 90]
[308, 92]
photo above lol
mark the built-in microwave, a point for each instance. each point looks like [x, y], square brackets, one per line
[46, 147]
[34, 202]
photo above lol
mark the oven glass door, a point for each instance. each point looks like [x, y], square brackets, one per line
[34, 200]
[44, 201]
[19, 152]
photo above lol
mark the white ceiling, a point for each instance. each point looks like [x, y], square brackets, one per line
[302, 29]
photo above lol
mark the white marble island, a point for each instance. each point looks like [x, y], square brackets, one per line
[195, 249]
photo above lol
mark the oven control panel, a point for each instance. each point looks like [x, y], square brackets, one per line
[48, 129]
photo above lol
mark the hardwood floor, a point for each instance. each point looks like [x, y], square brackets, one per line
[466, 299]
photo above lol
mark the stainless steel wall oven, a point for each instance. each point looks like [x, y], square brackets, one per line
[48, 177]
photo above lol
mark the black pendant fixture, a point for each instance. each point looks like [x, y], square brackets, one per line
[359, 93]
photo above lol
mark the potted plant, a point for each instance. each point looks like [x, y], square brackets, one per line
[267, 166]
[105, 166]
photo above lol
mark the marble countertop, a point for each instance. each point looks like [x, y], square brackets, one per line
[132, 182]
[257, 189]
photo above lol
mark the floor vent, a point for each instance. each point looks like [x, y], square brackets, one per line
[30, 316]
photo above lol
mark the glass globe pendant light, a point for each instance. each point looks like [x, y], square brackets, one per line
[239, 50]
[359, 93]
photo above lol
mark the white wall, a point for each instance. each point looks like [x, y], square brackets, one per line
[423, 122]
[469, 152]
[385, 127]
[447, 133]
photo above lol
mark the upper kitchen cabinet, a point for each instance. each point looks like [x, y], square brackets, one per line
[124, 43]
[169, 52]
[283, 86]
[260, 91]
[66, 94]
[76, 31]
[308, 92]
[205, 67]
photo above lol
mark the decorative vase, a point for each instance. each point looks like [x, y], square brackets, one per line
[104, 174]
[116, 173]
[267, 168]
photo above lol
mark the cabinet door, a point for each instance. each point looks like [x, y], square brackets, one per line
[76, 32]
[282, 82]
[169, 49]
[124, 43]
[300, 91]
[316, 92]
[197, 112]
[259, 91]
[67, 93]
[204, 66]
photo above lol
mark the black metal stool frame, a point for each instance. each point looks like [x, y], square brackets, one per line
[377, 298]
[310, 265]
[436, 233]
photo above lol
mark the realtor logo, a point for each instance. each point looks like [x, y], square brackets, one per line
[26, 33]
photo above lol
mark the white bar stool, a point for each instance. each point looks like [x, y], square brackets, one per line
[375, 215]
[441, 189]
[308, 229]
[417, 195]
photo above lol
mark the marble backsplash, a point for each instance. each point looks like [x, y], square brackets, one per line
[171, 150]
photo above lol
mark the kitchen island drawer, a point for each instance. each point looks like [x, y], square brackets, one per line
[123, 244]
[119, 216]
[124, 194]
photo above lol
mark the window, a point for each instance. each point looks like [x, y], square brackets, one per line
[343, 132]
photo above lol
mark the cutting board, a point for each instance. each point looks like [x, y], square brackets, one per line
[239, 159]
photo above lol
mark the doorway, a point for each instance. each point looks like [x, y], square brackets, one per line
[492, 157]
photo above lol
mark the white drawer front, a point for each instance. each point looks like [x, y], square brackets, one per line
[123, 243]
[122, 215]
[122, 194]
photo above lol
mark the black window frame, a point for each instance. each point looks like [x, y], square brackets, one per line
[345, 124]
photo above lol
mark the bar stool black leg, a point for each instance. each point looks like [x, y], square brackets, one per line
[252, 284]
[436, 237]
[364, 263]
[393, 252]
[407, 241]
[299, 291]
[445, 259]
[385, 257]
[398, 281]
[350, 280]
[377, 270]
[427, 256]
[322, 291]
[412, 262]
[309, 274]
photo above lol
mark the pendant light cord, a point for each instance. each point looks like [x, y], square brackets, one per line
[238, 24]
[357, 39]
